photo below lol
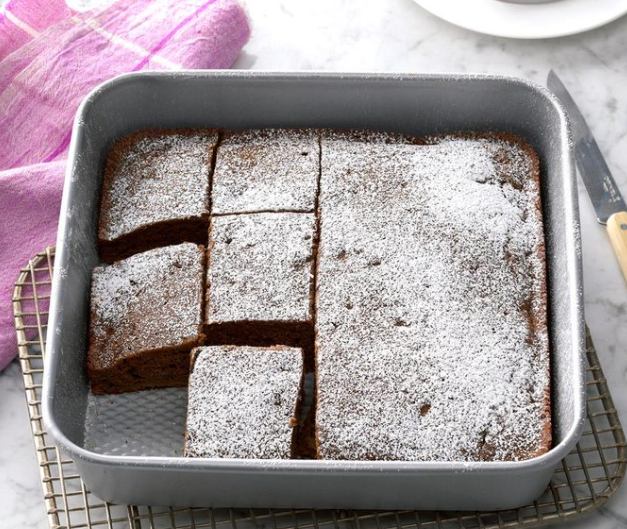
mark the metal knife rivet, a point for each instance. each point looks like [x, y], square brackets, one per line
[623, 226]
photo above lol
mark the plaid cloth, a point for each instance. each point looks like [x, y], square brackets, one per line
[50, 58]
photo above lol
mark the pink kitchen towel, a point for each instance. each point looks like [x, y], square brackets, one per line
[50, 63]
[22, 21]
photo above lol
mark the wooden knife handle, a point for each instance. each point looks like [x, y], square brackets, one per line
[617, 229]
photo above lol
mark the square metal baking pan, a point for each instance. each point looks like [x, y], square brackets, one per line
[127, 450]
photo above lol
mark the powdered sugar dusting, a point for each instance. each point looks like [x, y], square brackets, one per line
[260, 267]
[149, 301]
[156, 176]
[242, 402]
[266, 170]
[431, 322]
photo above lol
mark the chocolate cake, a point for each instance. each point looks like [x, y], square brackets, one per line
[243, 402]
[146, 316]
[266, 170]
[260, 279]
[155, 191]
[431, 327]
[404, 276]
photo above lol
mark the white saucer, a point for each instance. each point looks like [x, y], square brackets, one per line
[527, 21]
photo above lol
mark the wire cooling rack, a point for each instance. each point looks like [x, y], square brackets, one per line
[586, 479]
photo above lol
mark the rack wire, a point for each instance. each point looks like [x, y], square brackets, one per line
[584, 481]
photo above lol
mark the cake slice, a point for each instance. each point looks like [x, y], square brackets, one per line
[266, 170]
[243, 402]
[432, 341]
[260, 279]
[146, 316]
[155, 191]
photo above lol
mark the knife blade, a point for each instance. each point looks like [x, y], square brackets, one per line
[604, 194]
[602, 189]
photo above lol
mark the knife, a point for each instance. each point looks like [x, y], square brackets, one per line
[608, 203]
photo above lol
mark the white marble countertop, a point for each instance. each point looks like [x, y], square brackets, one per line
[398, 36]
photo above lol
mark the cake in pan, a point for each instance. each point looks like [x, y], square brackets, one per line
[266, 170]
[243, 402]
[260, 279]
[431, 322]
[155, 191]
[146, 316]
[409, 271]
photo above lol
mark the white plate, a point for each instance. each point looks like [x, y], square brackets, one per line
[527, 21]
